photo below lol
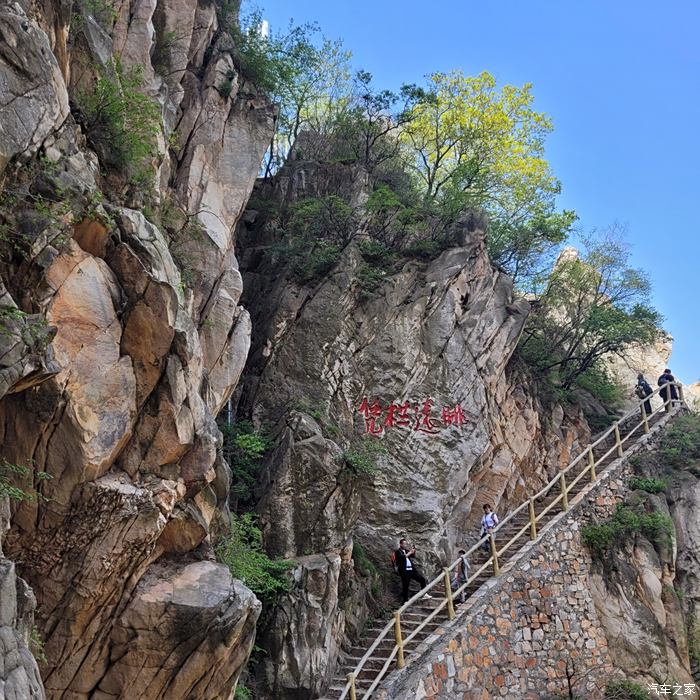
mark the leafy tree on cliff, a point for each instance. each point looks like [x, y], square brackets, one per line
[590, 306]
[314, 87]
[470, 145]
[367, 130]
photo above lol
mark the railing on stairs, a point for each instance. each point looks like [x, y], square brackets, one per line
[530, 529]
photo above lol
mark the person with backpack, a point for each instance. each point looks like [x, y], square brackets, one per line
[488, 522]
[642, 390]
[666, 378]
[407, 569]
[461, 574]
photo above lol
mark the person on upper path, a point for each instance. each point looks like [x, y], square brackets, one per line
[642, 390]
[407, 569]
[666, 378]
[488, 522]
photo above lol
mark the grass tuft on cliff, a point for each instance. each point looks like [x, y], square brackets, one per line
[628, 521]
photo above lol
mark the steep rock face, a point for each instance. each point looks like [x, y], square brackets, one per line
[119, 409]
[648, 595]
[309, 614]
[441, 331]
[19, 674]
[642, 616]
[33, 97]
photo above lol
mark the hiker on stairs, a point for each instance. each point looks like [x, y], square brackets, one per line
[407, 569]
[642, 390]
[665, 378]
[488, 523]
[461, 574]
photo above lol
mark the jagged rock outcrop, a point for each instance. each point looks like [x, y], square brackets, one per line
[650, 360]
[19, 674]
[648, 594]
[442, 331]
[642, 616]
[118, 408]
[303, 637]
[33, 97]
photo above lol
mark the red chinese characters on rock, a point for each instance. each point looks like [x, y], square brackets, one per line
[418, 417]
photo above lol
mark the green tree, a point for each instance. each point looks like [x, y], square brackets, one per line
[484, 142]
[316, 87]
[472, 145]
[590, 306]
[121, 122]
[243, 449]
[242, 551]
[367, 130]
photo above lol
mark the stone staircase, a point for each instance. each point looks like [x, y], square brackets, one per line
[628, 432]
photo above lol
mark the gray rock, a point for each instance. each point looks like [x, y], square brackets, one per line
[33, 97]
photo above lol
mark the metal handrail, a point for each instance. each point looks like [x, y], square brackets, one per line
[496, 554]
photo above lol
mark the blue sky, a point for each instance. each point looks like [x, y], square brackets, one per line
[621, 82]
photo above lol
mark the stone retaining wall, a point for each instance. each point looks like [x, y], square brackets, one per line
[534, 629]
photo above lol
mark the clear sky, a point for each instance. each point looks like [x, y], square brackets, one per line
[621, 82]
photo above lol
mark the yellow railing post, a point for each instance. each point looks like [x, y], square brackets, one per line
[591, 463]
[494, 554]
[564, 494]
[353, 692]
[533, 520]
[400, 661]
[680, 392]
[448, 595]
[645, 420]
[618, 441]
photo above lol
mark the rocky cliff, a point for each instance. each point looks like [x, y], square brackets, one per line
[436, 335]
[147, 340]
[395, 408]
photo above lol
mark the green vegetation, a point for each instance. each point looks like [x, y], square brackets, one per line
[590, 306]
[434, 155]
[242, 551]
[648, 484]
[625, 690]
[361, 458]
[627, 522]
[16, 481]
[36, 645]
[243, 692]
[680, 443]
[243, 448]
[121, 122]
[365, 567]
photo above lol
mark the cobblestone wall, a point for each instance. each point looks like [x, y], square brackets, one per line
[531, 632]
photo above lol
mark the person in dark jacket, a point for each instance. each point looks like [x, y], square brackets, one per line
[408, 569]
[642, 390]
[666, 378]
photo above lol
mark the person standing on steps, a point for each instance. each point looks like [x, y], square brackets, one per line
[488, 522]
[461, 574]
[407, 569]
[666, 378]
[642, 390]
